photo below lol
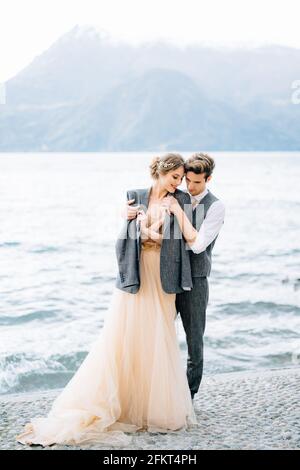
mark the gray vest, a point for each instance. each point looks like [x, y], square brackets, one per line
[201, 263]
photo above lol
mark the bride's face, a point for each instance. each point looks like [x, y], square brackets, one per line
[172, 179]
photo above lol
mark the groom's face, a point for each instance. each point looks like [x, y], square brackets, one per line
[196, 184]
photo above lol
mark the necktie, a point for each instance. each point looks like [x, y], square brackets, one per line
[194, 202]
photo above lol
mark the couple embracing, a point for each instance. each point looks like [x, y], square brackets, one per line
[133, 379]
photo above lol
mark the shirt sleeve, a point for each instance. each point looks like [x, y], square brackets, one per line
[210, 227]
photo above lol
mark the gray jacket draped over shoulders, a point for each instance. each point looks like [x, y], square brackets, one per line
[175, 267]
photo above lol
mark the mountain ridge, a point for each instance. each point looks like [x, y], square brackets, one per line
[88, 92]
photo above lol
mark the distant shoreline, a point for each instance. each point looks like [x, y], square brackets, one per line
[235, 410]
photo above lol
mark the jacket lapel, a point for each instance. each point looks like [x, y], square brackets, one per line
[144, 197]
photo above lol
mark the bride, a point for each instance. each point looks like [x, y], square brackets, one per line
[133, 378]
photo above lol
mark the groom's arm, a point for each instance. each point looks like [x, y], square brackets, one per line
[210, 227]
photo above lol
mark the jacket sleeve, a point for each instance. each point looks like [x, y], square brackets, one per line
[126, 253]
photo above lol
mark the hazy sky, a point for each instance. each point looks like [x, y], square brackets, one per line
[28, 27]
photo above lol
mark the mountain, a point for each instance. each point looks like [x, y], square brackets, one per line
[88, 92]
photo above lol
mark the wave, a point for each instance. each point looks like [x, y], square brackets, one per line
[9, 244]
[40, 315]
[47, 249]
[27, 372]
[255, 308]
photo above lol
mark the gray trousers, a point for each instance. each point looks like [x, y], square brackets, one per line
[192, 308]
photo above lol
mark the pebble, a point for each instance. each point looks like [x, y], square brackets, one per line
[253, 410]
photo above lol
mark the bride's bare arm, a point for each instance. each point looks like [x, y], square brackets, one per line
[187, 229]
[151, 231]
[158, 223]
[148, 233]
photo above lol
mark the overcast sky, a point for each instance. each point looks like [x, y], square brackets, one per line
[28, 27]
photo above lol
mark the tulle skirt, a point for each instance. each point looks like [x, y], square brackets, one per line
[133, 378]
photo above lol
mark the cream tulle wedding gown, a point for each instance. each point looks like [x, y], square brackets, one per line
[133, 379]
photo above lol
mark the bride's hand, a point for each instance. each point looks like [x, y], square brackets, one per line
[141, 217]
[165, 204]
[142, 220]
[170, 204]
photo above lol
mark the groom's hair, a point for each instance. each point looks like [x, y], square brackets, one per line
[200, 163]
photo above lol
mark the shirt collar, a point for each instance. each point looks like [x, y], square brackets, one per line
[200, 196]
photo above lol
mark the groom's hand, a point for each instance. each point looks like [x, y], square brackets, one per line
[130, 212]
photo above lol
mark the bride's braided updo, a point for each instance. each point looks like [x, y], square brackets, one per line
[162, 165]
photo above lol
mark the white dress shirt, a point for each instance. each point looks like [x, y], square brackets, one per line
[211, 225]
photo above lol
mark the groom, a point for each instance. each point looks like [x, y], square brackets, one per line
[207, 219]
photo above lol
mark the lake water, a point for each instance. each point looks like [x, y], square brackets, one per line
[60, 215]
